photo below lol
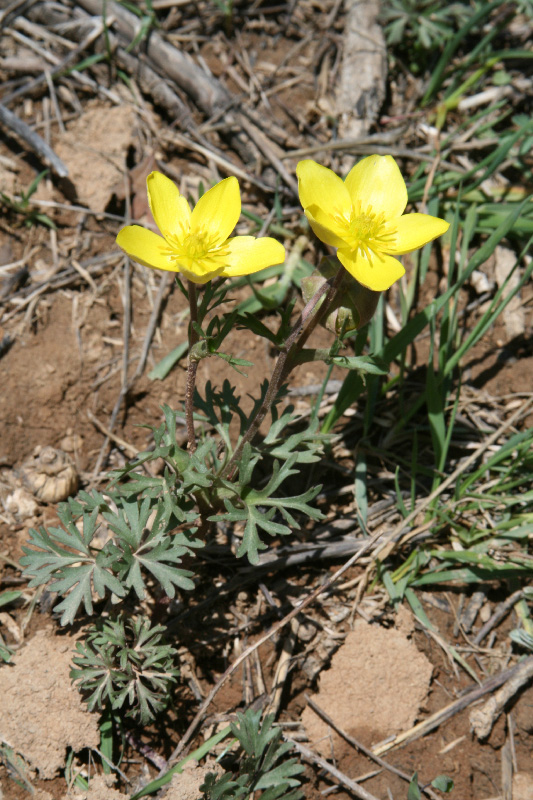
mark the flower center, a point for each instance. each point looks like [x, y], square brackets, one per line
[198, 252]
[366, 232]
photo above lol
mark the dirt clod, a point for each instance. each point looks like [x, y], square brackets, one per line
[523, 786]
[94, 148]
[41, 713]
[100, 788]
[186, 785]
[385, 682]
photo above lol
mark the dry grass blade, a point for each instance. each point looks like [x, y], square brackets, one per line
[344, 780]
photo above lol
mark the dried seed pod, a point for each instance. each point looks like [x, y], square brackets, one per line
[50, 475]
[355, 304]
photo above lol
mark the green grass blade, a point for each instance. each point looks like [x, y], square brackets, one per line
[453, 44]
[495, 309]
[161, 370]
[197, 754]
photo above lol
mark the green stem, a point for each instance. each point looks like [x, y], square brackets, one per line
[192, 368]
[308, 355]
[305, 325]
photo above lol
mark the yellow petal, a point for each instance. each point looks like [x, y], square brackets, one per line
[248, 255]
[170, 209]
[199, 275]
[217, 211]
[413, 231]
[320, 188]
[377, 182]
[146, 247]
[323, 226]
[378, 275]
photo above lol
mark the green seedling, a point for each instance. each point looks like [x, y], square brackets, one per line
[21, 205]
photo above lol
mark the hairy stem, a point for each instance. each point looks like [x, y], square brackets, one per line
[304, 326]
[192, 368]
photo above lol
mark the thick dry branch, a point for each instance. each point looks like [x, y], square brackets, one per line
[206, 92]
[84, 30]
[35, 142]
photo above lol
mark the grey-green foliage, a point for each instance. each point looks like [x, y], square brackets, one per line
[282, 450]
[5, 652]
[441, 782]
[522, 638]
[262, 766]
[125, 665]
[424, 24]
[149, 518]
[71, 560]
[256, 508]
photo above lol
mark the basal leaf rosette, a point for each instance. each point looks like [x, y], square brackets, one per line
[363, 218]
[197, 243]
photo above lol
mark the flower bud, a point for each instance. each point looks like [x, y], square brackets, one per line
[354, 305]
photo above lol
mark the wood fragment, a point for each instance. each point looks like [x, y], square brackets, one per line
[282, 670]
[364, 69]
[14, 9]
[85, 275]
[67, 277]
[81, 77]
[87, 30]
[507, 772]
[483, 719]
[159, 91]
[468, 617]
[266, 147]
[180, 140]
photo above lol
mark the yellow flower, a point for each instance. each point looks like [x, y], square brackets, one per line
[195, 243]
[363, 217]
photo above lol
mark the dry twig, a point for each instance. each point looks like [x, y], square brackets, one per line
[365, 750]
[482, 719]
[344, 780]
[35, 142]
